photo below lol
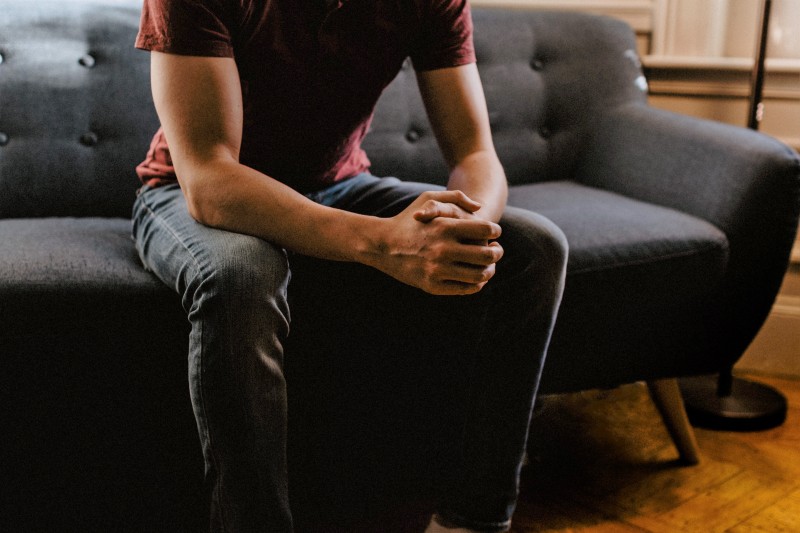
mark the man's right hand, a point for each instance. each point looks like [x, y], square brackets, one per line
[436, 245]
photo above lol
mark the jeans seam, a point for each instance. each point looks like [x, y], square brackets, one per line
[661, 258]
[175, 236]
[197, 268]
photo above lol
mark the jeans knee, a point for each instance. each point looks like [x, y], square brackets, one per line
[539, 245]
[551, 246]
[242, 275]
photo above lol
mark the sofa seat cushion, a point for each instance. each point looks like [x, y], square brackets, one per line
[94, 350]
[612, 235]
[68, 256]
[77, 284]
[636, 271]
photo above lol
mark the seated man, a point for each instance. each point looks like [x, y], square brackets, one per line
[263, 107]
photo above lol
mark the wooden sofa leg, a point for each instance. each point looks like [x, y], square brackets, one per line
[667, 397]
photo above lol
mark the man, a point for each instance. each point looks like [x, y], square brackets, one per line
[264, 106]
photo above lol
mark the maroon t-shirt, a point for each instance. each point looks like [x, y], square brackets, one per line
[311, 72]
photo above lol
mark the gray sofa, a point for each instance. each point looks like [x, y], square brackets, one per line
[679, 233]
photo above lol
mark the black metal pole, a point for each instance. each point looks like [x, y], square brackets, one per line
[757, 77]
[730, 403]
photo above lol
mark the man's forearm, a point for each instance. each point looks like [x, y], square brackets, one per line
[481, 177]
[441, 256]
[231, 196]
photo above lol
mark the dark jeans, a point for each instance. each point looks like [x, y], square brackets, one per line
[234, 289]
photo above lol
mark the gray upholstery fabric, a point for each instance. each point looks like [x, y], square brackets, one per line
[611, 234]
[543, 87]
[63, 257]
[750, 193]
[75, 108]
[637, 272]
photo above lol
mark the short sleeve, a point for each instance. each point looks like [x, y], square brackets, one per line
[445, 37]
[186, 27]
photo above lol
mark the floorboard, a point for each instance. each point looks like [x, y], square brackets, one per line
[602, 462]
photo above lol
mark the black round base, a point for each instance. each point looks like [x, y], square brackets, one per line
[751, 406]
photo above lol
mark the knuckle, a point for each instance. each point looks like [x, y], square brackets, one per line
[431, 204]
[437, 252]
[431, 272]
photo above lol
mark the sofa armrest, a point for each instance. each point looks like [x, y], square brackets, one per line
[744, 182]
[728, 175]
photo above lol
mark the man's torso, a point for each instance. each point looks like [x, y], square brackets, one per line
[311, 73]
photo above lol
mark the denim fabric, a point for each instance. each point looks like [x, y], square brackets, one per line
[234, 290]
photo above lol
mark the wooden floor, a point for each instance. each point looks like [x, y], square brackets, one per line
[603, 463]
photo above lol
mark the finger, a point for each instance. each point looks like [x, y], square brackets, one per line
[471, 274]
[475, 229]
[476, 254]
[455, 288]
[464, 273]
[434, 209]
[453, 197]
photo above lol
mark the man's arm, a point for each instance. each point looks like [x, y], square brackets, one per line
[199, 103]
[456, 107]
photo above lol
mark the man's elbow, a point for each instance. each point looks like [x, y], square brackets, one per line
[201, 202]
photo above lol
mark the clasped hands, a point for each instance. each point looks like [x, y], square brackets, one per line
[440, 245]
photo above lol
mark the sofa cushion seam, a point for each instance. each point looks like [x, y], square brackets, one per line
[658, 259]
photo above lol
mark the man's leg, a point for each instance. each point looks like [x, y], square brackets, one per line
[520, 305]
[233, 288]
[494, 344]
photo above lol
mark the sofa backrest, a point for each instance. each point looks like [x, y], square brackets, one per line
[76, 114]
[547, 76]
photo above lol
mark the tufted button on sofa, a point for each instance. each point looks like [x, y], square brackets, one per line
[679, 232]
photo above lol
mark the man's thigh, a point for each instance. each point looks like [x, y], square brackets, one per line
[358, 323]
[370, 195]
[182, 252]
